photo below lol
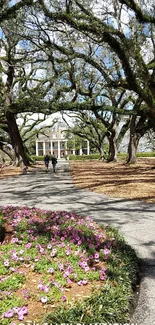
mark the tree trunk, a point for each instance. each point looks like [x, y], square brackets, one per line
[112, 146]
[14, 134]
[16, 140]
[133, 142]
[6, 151]
[102, 154]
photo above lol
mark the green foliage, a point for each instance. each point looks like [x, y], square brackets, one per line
[13, 282]
[138, 154]
[7, 303]
[84, 157]
[38, 158]
[145, 154]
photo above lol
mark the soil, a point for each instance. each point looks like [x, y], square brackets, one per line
[14, 171]
[119, 180]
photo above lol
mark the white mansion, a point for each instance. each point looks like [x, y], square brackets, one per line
[54, 142]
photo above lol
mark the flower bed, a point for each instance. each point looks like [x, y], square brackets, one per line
[52, 261]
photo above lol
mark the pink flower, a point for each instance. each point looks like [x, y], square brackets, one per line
[6, 263]
[28, 245]
[46, 289]
[80, 283]
[106, 251]
[61, 266]
[9, 314]
[41, 287]
[102, 277]
[43, 299]
[50, 270]
[16, 310]
[96, 255]
[54, 251]
[91, 257]
[84, 281]
[14, 240]
[64, 298]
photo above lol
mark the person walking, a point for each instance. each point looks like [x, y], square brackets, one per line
[54, 162]
[46, 161]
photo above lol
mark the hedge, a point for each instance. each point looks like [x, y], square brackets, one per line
[97, 156]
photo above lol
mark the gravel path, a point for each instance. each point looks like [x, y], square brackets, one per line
[134, 219]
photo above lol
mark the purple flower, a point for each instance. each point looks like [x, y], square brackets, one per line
[24, 310]
[20, 316]
[9, 314]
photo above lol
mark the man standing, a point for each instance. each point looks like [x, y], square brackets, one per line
[54, 162]
[46, 161]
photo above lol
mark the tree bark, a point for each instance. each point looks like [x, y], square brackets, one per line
[112, 146]
[133, 142]
[16, 140]
[102, 154]
[6, 151]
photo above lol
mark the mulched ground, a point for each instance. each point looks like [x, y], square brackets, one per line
[117, 179]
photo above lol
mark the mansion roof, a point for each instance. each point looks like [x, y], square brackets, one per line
[55, 133]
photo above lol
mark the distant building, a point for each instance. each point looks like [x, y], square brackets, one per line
[55, 142]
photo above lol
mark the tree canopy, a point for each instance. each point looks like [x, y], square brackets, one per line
[69, 55]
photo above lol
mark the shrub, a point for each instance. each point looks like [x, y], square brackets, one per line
[84, 157]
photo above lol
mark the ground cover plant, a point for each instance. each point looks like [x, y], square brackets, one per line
[59, 267]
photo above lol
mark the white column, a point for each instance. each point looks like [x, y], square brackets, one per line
[58, 148]
[80, 151]
[66, 147]
[44, 149]
[74, 148]
[88, 148]
[51, 147]
[37, 153]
